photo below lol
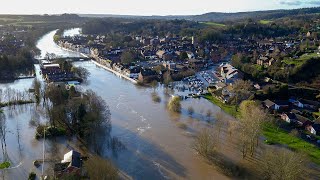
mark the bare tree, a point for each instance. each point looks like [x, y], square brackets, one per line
[219, 121]
[250, 124]
[282, 164]
[204, 143]
[242, 90]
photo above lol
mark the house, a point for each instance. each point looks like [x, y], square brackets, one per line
[228, 73]
[169, 65]
[190, 55]
[196, 64]
[70, 165]
[257, 86]
[289, 117]
[166, 56]
[310, 104]
[296, 102]
[132, 72]
[154, 42]
[265, 61]
[147, 75]
[283, 104]
[303, 121]
[271, 105]
[220, 85]
[314, 129]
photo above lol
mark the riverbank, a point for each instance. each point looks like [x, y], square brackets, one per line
[100, 65]
[230, 109]
[115, 72]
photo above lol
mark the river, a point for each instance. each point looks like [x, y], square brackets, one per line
[155, 146]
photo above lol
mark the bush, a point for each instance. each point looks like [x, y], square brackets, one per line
[49, 131]
[32, 176]
[5, 165]
[190, 110]
[156, 97]
[182, 125]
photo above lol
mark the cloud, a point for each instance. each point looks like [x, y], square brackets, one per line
[299, 2]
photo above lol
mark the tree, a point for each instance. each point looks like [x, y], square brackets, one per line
[183, 55]
[37, 90]
[282, 164]
[174, 104]
[204, 144]
[250, 125]
[219, 121]
[127, 57]
[154, 85]
[242, 90]
[83, 73]
[167, 79]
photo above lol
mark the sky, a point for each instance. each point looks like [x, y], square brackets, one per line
[146, 7]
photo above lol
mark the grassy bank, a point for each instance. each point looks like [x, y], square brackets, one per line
[230, 109]
[279, 136]
[301, 60]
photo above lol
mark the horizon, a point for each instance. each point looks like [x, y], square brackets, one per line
[145, 8]
[57, 14]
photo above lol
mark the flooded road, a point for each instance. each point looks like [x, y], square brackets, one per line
[155, 146]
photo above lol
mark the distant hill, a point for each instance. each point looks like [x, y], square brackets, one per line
[271, 14]
[220, 17]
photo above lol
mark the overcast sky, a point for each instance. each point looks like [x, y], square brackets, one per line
[146, 7]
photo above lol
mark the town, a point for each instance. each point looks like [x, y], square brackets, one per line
[102, 97]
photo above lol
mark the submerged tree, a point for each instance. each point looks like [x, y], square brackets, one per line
[204, 143]
[220, 121]
[37, 90]
[190, 111]
[3, 130]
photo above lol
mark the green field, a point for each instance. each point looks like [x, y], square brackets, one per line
[213, 24]
[279, 136]
[302, 59]
[230, 109]
[265, 21]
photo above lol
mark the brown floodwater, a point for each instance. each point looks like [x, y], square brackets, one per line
[156, 147]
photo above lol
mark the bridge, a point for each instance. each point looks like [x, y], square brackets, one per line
[68, 58]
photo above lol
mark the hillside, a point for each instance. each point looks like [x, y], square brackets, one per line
[220, 17]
